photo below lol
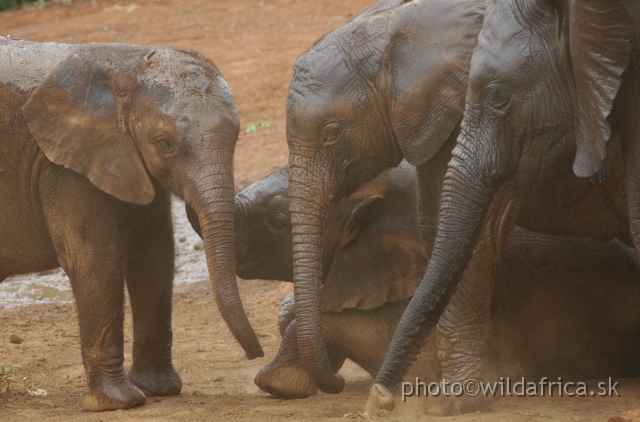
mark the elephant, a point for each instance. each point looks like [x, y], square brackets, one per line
[95, 140]
[393, 84]
[542, 279]
[552, 99]
[388, 85]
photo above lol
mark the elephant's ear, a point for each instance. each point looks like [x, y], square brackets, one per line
[600, 44]
[78, 117]
[381, 259]
[359, 204]
[427, 67]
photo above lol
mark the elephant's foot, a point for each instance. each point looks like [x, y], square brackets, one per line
[451, 406]
[155, 382]
[288, 380]
[113, 396]
[380, 398]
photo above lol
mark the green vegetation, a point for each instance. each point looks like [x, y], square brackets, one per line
[12, 4]
[39, 4]
[257, 126]
[5, 374]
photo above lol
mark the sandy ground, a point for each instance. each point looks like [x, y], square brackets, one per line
[254, 43]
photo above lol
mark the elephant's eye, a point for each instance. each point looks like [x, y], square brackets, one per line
[331, 133]
[496, 97]
[279, 223]
[164, 145]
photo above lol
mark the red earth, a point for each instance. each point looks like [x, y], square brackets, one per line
[254, 44]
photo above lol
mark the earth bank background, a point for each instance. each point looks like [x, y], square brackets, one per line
[254, 44]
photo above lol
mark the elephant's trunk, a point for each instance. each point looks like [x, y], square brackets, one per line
[467, 193]
[307, 211]
[212, 198]
[243, 233]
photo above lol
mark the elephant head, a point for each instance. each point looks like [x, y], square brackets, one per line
[542, 82]
[388, 85]
[136, 119]
[263, 229]
[361, 230]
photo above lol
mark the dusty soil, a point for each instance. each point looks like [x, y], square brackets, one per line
[254, 43]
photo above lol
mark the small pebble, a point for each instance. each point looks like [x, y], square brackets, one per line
[15, 339]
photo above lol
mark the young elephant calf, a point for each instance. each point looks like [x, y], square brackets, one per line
[555, 310]
[94, 139]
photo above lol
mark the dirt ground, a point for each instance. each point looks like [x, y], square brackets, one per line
[255, 44]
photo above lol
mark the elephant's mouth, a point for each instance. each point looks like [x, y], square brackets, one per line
[248, 269]
[262, 267]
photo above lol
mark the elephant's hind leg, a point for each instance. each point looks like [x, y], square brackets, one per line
[631, 143]
[90, 240]
[149, 277]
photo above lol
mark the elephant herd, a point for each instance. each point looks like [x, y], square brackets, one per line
[471, 166]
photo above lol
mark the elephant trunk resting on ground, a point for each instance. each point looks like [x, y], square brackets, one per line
[94, 139]
[559, 303]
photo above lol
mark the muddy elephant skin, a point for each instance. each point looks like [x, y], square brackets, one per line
[388, 85]
[358, 103]
[553, 91]
[95, 139]
[562, 307]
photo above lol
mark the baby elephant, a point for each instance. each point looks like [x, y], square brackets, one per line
[555, 310]
[94, 139]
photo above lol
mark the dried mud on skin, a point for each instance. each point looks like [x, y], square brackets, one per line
[254, 44]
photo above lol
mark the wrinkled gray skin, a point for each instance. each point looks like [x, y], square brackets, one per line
[551, 84]
[561, 307]
[391, 84]
[95, 139]
[388, 85]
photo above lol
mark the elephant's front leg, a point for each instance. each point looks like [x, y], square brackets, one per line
[149, 277]
[287, 313]
[286, 375]
[630, 136]
[360, 335]
[464, 329]
[89, 235]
